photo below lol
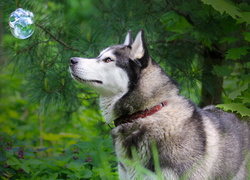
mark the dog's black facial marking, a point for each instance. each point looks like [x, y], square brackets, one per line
[144, 61]
[138, 63]
[129, 46]
[132, 68]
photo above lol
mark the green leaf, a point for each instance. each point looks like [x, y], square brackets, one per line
[176, 23]
[12, 161]
[224, 6]
[245, 99]
[235, 107]
[87, 173]
[245, 18]
[228, 39]
[246, 36]
[222, 70]
[74, 166]
[25, 168]
[33, 162]
[53, 177]
[35, 175]
[236, 53]
[61, 163]
[238, 92]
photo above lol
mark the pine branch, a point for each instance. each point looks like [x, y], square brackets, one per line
[55, 59]
[57, 39]
[31, 46]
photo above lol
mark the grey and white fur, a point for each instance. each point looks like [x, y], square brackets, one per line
[192, 143]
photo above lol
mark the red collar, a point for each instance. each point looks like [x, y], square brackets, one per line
[140, 114]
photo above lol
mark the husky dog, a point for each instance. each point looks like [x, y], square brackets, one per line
[145, 105]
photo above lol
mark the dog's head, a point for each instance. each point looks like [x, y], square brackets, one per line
[116, 70]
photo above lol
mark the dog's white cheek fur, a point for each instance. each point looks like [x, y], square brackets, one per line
[114, 87]
[114, 79]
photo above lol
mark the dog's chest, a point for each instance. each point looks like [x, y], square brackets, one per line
[135, 141]
[132, 141]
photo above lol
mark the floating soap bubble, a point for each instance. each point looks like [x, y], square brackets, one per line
[21, 23]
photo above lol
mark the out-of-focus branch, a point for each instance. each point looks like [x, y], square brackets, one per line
[57, 39]
[31, 46]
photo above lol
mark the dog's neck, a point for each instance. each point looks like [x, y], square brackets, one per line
[140, 114]
[140, 98]
[107, 104]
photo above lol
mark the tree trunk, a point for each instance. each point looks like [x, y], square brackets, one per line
[211, 83]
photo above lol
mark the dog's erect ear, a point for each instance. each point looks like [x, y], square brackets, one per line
[128, 40]
[138, 48]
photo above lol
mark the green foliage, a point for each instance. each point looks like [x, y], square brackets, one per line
[238, 100]
[224, 6]
[236, 53]
[236, 107]
[176, 23]
[85, 160]
[225, 33]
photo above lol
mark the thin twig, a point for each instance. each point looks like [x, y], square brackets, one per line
[57, 39]
[31, 46]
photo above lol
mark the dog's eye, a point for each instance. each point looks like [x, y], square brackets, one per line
[107, 60]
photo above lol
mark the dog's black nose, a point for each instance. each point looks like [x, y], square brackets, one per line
[73, 61]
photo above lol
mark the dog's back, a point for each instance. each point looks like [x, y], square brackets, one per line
[209, 144]
[234, 144]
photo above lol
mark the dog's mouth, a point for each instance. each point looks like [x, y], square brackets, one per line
[85, 80]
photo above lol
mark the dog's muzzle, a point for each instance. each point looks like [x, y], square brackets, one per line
[73, 63]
